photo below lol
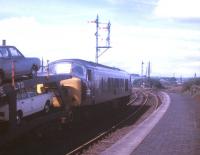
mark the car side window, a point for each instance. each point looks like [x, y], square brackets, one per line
[31, 94]
[24, 95]
[4, 53]
[19, 96]
[1, 54]
[14, 52]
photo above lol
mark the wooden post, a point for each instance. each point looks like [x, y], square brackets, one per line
[12, 102]
[13, 74]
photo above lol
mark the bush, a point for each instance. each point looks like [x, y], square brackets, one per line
[155, 83]
[187, 85]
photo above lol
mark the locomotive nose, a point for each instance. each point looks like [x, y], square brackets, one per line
[74, 86]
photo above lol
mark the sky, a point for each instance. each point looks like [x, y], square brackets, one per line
[165, 33]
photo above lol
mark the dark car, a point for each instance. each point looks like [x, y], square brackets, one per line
[22, 66]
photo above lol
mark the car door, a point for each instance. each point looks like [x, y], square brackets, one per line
[36, 102]
[25, 104]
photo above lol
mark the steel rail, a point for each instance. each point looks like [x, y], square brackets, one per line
[132, 100]
[158, 100]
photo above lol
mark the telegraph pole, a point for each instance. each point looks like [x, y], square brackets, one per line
[149, 69]
[107, 46]
[142, 68]
[97, 38]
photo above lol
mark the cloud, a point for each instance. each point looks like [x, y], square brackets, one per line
[178, 9]
[130, 44]
[48, 41]
[166, 47]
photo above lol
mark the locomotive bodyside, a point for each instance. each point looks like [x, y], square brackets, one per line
[109, 84]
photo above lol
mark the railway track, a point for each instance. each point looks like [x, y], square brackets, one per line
[80, 137]
[134, 97]
[137, 98]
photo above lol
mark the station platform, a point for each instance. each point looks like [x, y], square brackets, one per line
[174, 129]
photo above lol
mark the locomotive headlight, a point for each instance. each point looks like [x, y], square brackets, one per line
[61, 68]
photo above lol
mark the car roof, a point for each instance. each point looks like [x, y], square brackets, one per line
[7, 46]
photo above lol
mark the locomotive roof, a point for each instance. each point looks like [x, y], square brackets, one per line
[88, 63]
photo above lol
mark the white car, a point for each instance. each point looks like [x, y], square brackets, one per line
[28, 103]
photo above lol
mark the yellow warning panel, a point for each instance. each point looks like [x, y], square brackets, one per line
[56, 102]
[74, 86]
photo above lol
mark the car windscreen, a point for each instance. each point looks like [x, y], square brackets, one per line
[14, 52]
[60, 68]
[4, 53]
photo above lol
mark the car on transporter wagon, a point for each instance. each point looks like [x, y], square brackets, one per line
[10, 56]
[29, 102]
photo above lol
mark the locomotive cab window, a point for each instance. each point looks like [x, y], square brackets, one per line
[78, 70]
